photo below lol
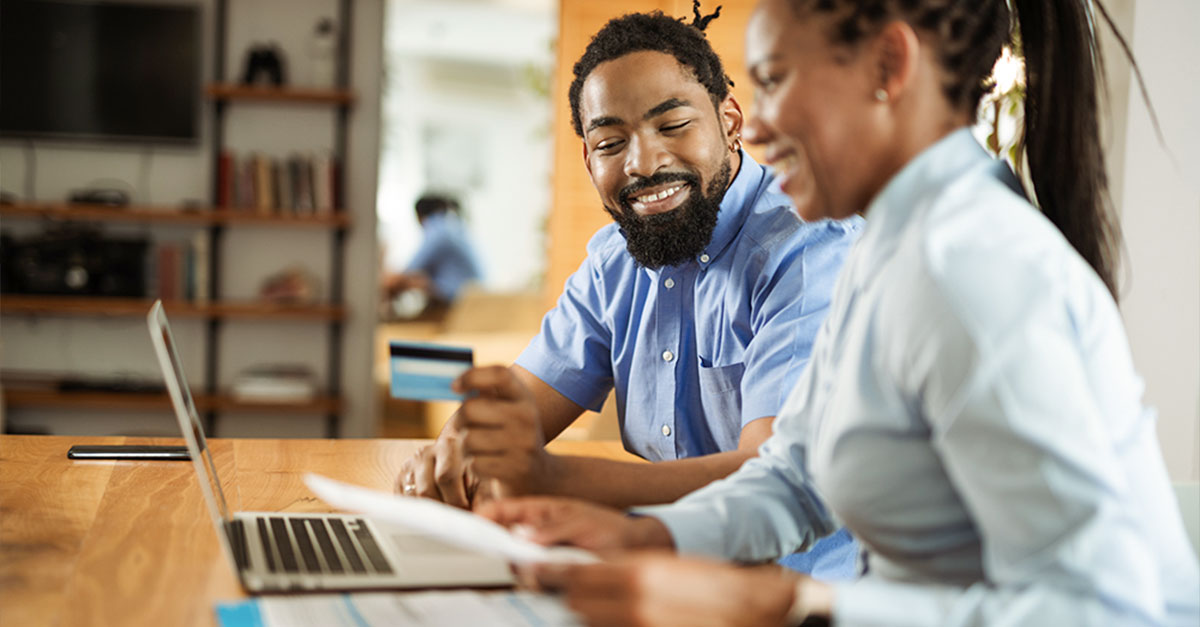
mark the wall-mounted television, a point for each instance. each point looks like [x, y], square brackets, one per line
[100, 70]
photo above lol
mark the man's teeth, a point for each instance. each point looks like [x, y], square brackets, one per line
[659, 196]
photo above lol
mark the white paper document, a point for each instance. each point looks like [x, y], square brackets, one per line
[449, 524]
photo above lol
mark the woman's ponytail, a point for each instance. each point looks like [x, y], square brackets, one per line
[1063, 69]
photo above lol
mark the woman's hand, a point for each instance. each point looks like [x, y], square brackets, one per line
[561, 521]
[661, 589]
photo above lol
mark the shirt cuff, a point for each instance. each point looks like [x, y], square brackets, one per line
[874, 601]
[692, 531]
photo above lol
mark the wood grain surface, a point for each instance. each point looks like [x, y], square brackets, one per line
[131, 543]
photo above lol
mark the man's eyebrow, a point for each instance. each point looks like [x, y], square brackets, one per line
[659, 109]
[604, 120]
[666, 105]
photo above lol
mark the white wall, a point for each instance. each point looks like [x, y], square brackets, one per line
[120, 345]
[1160, 206]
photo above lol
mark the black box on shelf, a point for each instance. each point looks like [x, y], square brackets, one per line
[74, 260]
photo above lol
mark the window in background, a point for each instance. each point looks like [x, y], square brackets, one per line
[466, 112]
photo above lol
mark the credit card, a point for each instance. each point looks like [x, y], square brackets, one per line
[423, 372]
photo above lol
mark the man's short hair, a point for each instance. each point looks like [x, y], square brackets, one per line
[655, 32]
[430, 204]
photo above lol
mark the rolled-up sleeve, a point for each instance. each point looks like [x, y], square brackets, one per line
[572, 352]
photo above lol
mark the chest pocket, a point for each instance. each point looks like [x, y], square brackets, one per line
[721, 397]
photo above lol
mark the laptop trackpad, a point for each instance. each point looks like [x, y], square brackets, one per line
[438, 563]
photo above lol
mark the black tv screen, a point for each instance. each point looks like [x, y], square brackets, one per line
[99, 70]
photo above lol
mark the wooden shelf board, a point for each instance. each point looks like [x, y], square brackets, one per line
[319, 405]
[74, 305]
[339, 218]
[270, 311]
[63, 211]
[170, 215]
[17, 397]
[232, 91]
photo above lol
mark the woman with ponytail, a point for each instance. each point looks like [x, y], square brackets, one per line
[970, 411]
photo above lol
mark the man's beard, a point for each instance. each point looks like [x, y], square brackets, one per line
[671, 238]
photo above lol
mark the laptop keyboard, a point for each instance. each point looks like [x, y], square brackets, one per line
[320, 545]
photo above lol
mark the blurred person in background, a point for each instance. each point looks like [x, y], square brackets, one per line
[442, 265]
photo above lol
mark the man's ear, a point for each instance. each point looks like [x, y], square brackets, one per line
[897, 52]
[587, 164]
[732, 118]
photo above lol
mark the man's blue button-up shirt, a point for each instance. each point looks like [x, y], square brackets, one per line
[696, 351]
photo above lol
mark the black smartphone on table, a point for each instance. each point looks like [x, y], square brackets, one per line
[144, 452]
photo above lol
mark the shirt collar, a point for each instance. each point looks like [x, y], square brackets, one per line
[734, 208]
[904, 195]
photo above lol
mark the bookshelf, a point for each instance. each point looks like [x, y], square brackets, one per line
[212, 224]
[223, 95]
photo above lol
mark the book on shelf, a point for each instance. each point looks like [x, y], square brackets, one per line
[245, 188]
[301, 173]
[295, 185]
[181, 270]
[264, 200]
[283, 186]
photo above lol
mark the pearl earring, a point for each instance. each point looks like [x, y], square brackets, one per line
[881, 95]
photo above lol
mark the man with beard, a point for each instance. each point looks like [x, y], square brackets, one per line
[699, 305]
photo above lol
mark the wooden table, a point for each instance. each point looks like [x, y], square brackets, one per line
[130, 543]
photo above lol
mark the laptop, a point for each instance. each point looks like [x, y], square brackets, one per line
[279, 552]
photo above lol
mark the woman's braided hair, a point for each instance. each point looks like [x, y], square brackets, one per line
[1063, 67]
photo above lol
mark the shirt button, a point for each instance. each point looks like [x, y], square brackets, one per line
[669, 283]
[666, 430]
[668, 356]
[704, 258]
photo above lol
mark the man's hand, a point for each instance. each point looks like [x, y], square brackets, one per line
[501, 431]
[660, 589]
[551, 521]
[440, 471]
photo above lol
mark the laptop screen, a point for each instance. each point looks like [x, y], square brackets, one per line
[185, 411]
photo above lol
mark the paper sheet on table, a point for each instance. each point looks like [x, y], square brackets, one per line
[449, 524]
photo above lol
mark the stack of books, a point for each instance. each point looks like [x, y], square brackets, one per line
[295, 185]
[179, 270]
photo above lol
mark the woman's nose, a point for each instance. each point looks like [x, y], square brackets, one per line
[755, 131]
